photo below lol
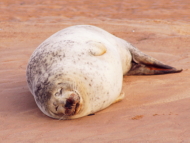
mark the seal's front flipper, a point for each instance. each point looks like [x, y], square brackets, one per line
[145, 65]
[120, 97]
[96, 48]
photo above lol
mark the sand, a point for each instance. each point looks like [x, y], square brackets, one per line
[155, 109]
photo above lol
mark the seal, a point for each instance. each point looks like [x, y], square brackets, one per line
[79, 71]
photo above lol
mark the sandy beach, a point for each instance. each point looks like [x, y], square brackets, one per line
[155, 109]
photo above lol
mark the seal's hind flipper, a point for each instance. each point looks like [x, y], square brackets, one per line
[97, 48]
[151, 69]
[120, 97]
[143, 64]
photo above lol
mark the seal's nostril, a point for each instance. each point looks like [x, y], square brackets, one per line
[69, 103]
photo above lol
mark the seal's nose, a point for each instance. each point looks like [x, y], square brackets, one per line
[72, 103]
[69, 103]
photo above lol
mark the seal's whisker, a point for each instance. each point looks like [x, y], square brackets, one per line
[61, 117]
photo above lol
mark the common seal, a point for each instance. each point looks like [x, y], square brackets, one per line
[79, 71]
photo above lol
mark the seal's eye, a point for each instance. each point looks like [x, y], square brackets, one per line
[61, 90]
[59, 93]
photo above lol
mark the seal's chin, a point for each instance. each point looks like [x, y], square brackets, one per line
[64, 106]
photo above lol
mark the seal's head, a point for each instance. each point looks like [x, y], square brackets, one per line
[61, 101]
